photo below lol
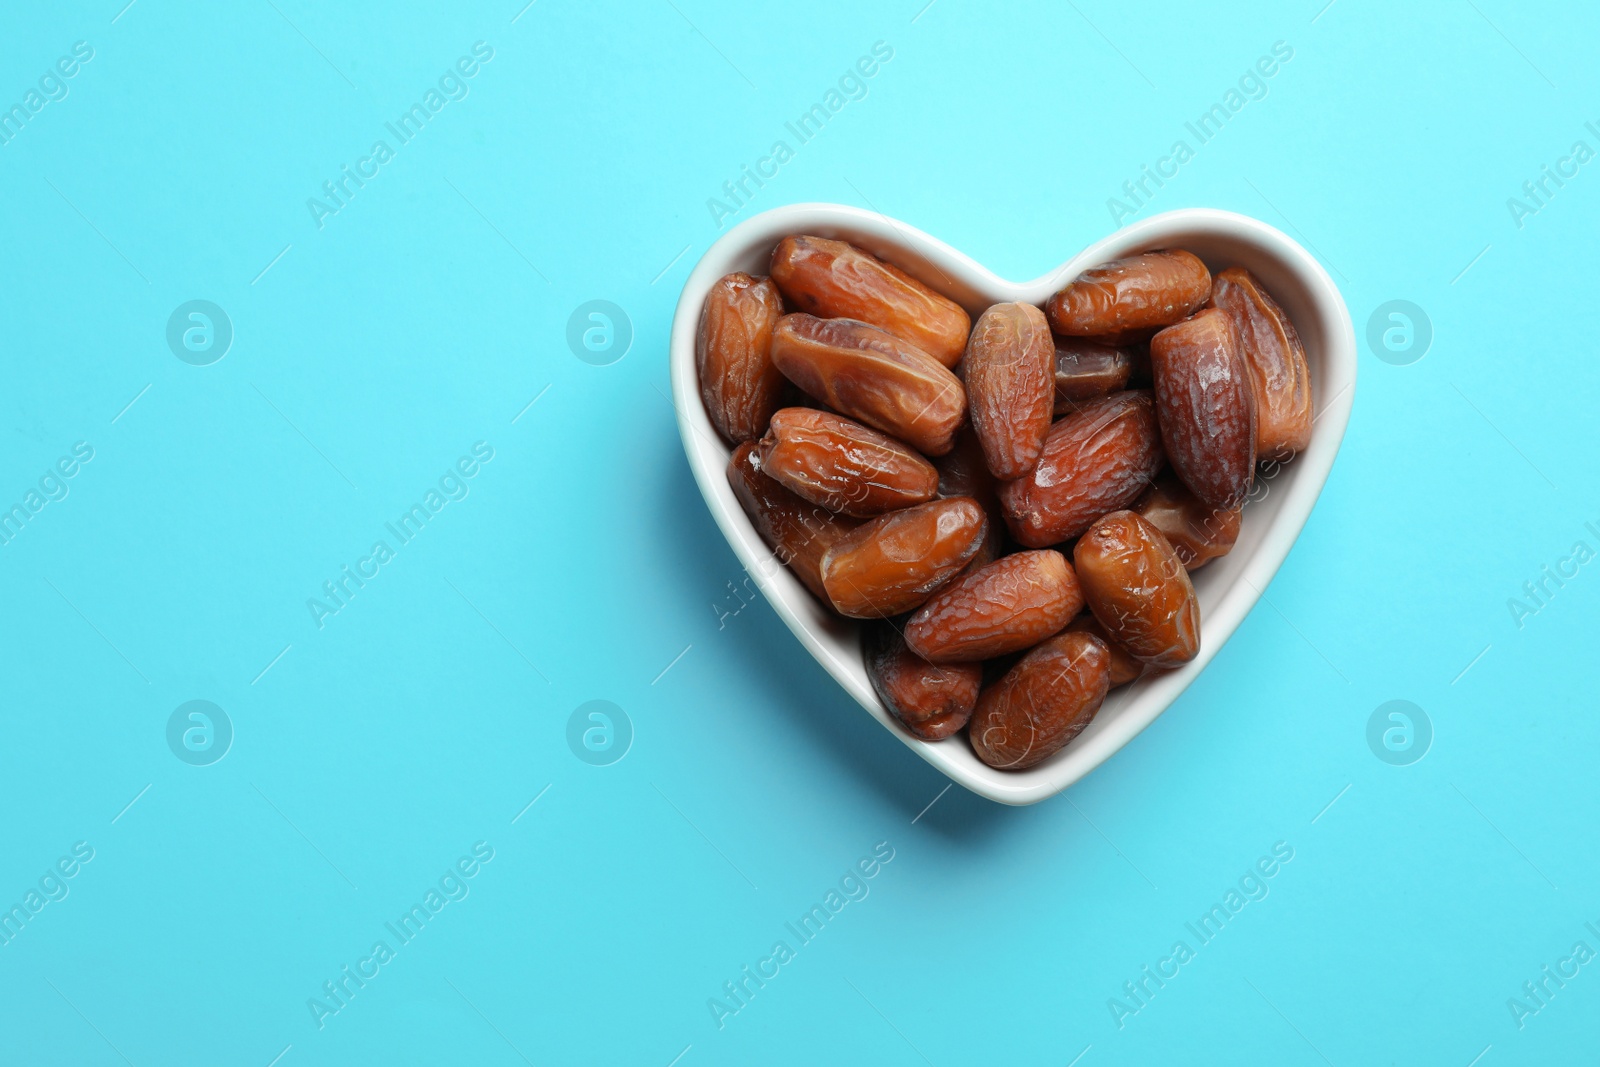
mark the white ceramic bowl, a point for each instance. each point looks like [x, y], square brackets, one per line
[1227, 588]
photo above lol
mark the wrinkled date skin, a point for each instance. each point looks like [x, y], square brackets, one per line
[1095, 460]
[1206, 407]
[843, 465]
[1138, 590]
[872, 376]
[738, 383]
[1042, 703]
[1009, 374]
[1136, 293]
[798, 531]
[1279, 376]
[1198, 534]
[1124, 668]
[1086, 369]
[835, 280]
[1007, 606]
[892, 564]
[930, 701]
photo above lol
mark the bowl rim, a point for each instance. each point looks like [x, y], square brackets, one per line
[1138, 704]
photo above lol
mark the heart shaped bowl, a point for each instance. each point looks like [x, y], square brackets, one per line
[1228, 587]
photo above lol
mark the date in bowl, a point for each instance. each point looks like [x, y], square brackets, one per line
[1278, 507]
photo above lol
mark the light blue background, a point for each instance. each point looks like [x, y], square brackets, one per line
[425, 316]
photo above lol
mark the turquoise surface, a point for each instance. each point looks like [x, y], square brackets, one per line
[311, 416]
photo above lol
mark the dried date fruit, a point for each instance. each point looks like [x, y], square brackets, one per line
[835, 280]
[931, 702]
[797, 531]
[1012, 604]
[1086, 369]
[738, 383]
[795, 397]
[1009, 374]
[1279, 376]
[872, 376]
[993, 546]
[1198, 534]
[1095, 460]
[1124, 668]
[1041, 703]
[843, 465]
[892, 564]
[963, 472]
[1152, 289]
[1206, 408]
[1125, 338]
[1138, 589]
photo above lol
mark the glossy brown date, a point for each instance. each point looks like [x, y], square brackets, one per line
[1095, 460]
[1206, 408]
[1138, 589]
[1279, 375]
[1124, 668]
[1152, 289]
[835, 280]
[1198, 534]
[843, 465]
[1085, 369]
[874, 377]
[1008, 370]
[1012, 604]
[892, 564]
[930, 701]
[797, 531]
[738, 383]
[1041, 703]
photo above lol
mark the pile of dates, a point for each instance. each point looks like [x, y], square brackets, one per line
[1016, 504]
